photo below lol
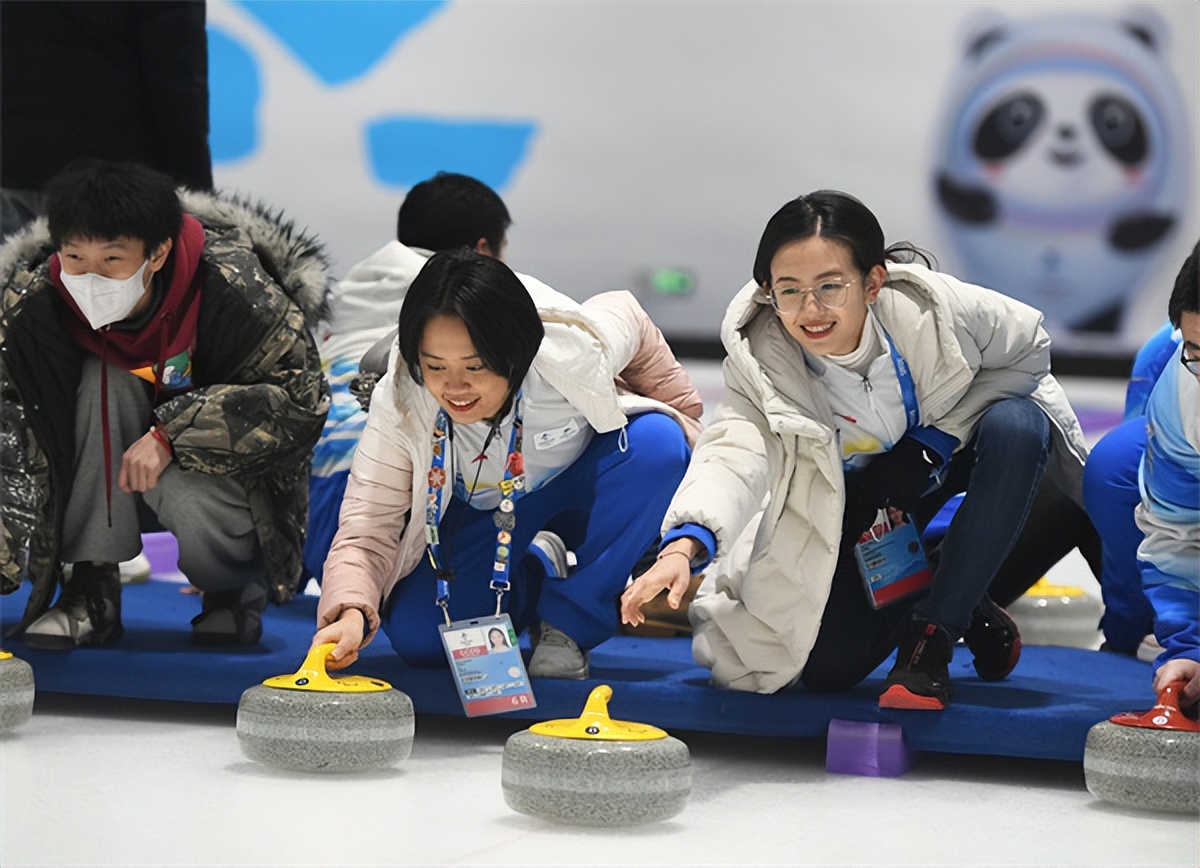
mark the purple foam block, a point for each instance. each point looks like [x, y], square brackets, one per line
[872, 749]
[162, 551]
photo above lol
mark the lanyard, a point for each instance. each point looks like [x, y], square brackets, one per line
[908, 392]
[505, 519]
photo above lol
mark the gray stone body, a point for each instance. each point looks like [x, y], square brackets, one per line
[1152, 769]
[314, 731]
[596, 783]
[1058, 620]
[16, 692]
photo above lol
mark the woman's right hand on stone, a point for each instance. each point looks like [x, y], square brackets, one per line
[347, 634]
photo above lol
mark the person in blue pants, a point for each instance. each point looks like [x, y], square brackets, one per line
[1110, 491]
[1142, 489]
[498, 440]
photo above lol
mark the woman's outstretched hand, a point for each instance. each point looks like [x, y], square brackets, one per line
[672, 571]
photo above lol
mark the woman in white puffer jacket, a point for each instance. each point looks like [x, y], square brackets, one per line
[860, 387]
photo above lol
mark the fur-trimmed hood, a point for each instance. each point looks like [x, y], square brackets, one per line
[294, 258]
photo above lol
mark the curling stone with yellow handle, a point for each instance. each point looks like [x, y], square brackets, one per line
[309, 721]
[1149, 760]
[596, 771]
[1057, 614]
[16, 691]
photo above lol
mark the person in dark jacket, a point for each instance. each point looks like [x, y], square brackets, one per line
[155, 354]
[122, 81]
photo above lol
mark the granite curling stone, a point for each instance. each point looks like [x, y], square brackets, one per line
[1053, 614]
[16, 691]
[309, 721]
[1146, 760]
[595, 771]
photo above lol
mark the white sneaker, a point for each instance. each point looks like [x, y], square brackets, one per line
[133, 572]
[136, 571]
[552, 552]
[555, 655]
[87, 612]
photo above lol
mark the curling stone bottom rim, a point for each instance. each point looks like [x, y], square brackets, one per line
[312, 731]
[596, 783]
[17, 692]
[1155, 770]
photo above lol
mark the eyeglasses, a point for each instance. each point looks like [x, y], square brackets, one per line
[827, 293]
[1193, 365]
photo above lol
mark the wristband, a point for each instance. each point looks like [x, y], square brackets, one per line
[662, 555]
[162, 439]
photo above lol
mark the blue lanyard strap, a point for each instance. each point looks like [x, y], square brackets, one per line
[908, 392]
[504, 518]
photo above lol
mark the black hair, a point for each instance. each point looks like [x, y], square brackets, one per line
[835, 216]
[493, 304]
[102, 201]
[1185, 295]
[449, 211]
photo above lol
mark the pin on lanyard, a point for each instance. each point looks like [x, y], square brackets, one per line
[504, 518]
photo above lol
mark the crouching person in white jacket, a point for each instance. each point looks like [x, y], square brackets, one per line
[861, 389]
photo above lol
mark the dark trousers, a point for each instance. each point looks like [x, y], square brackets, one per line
[1000, 469]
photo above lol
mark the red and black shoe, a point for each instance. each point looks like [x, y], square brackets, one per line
[921, 677]
[994, 639]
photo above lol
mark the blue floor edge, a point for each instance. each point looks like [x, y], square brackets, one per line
[1043, 710]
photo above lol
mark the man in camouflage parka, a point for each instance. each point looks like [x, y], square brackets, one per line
[248, 408]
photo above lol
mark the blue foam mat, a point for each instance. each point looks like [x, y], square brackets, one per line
[1043, 710]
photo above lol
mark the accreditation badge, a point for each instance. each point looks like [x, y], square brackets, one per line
[891, 559]
[486, 661]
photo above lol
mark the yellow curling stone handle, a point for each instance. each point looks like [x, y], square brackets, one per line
[595, 724]
[312, 676]
[1043, 587]
[4, 655]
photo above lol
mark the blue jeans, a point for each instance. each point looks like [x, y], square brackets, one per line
[1000, 469]
[1110, 491]
[607, 507]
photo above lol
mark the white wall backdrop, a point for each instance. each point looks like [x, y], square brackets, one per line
[658, 134]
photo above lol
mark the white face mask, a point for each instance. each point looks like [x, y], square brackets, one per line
[104, 300]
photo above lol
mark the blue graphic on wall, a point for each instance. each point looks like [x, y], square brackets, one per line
[234, 91]
[1063, 161]
[340, 41]
[404, 151]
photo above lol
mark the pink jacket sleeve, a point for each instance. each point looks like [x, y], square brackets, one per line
[652, 371]
[365, 557]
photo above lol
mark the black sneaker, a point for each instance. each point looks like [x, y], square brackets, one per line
[88, 611]
[994, 639]
[921, 677]
[231, 617]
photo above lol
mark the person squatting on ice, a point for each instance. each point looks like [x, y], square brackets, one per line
[157, 370]
[858, 383]
[513, 424]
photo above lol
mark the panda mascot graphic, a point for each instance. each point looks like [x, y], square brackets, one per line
[1063, 162]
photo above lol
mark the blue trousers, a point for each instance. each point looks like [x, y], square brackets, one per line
[607, 507]
[1110, 492]
[1000, 470]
